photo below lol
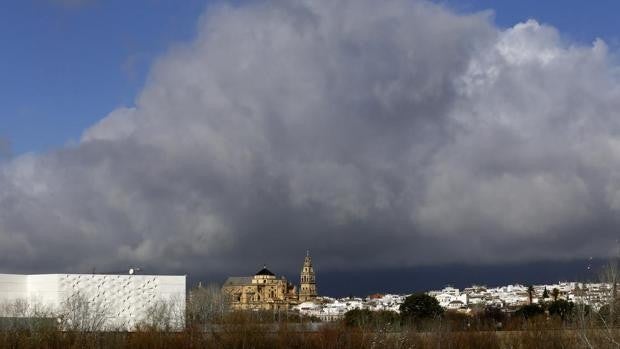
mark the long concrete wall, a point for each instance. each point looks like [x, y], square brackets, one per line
[13, 287]
[124, 300]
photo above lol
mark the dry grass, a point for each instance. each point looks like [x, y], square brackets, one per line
[240, 331]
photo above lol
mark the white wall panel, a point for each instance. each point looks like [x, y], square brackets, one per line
[125, 299]
[12, 288]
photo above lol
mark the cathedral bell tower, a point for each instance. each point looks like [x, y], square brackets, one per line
[307, 289]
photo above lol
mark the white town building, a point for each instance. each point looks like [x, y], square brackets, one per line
[112, 301]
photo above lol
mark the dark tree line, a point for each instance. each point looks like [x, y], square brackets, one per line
[416, 308]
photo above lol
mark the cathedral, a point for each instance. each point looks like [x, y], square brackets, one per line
[265, 291]
[307, 291]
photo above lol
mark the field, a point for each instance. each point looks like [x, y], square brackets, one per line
[241, 331]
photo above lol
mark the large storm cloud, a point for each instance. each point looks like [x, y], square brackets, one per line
[375, 135]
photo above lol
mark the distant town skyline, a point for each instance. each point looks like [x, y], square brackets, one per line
[363, 282]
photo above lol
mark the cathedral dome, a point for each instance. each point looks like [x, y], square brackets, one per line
[265, 272]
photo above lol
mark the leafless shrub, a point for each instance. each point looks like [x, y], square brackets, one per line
[21, 314]
[206, 305]
[164, 315]
[78, 313]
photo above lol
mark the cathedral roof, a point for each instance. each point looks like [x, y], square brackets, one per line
[265, 271]
[238, 281]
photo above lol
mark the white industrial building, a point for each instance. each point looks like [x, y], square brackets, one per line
[118, 302]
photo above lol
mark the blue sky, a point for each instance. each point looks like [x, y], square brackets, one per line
[577, 20]
[67, 63]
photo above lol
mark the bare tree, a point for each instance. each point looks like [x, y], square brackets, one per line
[24, 314]
[164, 315]
[593, 312]
[81, 314]
[206, 305]
[610, 276]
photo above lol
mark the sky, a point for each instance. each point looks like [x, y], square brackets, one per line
[212, 137]
[67, 63]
